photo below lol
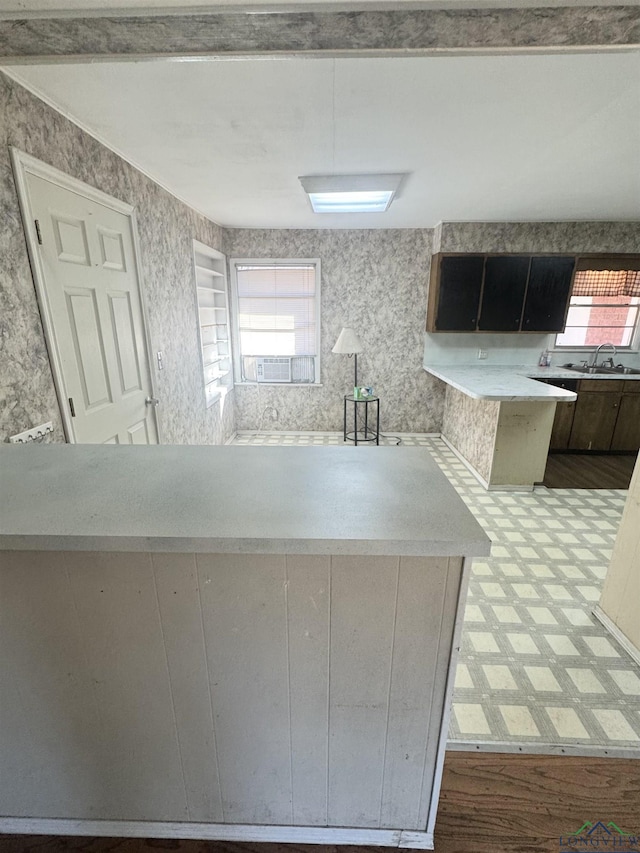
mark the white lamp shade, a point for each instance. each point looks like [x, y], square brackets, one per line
[348, 342]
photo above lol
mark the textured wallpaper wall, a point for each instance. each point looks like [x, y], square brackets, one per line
[166, 229]
[375, 281]
[551, 237]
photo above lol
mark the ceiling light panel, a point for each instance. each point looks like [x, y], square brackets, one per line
[351, 193]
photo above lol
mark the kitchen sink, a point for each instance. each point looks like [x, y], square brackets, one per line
[618, 370]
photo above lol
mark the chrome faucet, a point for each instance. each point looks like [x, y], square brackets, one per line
[598, 348]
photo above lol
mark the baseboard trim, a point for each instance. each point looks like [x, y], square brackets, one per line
[315, 433]
[217, 832]
[583, 750]
[465, 462]
[616, 633]
[318, 433]
[484, 483]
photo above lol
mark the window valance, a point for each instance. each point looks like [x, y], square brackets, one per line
[606, 283]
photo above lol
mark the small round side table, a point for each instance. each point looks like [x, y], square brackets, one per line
[364, 430]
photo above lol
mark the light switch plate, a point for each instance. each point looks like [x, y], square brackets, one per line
[160, 357]
[482, 353]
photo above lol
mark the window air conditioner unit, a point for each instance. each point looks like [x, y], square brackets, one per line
[273, 369]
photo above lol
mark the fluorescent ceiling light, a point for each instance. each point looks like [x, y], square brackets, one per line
[350, 193]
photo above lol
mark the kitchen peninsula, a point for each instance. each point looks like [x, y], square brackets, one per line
[499, 419]
[240, 643]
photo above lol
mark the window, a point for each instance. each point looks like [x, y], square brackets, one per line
[603, 309]
[277, 320]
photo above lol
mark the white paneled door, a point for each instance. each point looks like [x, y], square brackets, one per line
[91, 292]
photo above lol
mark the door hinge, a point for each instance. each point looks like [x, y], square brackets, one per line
[38, 232]
[72, 407]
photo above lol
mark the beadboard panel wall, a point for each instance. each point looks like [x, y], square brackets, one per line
[166, 228]
[229, 688]
[375, 281]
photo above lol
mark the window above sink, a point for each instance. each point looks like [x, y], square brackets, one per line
[604, 305]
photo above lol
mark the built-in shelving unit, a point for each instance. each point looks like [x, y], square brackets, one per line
[213, 313]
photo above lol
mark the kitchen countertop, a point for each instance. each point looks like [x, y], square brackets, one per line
[514, 382]
[208, 499]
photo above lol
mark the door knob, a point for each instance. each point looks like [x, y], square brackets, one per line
[152, 401]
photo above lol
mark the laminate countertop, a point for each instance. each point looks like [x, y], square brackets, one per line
[510, 383]
[518, 382]
[221, 499]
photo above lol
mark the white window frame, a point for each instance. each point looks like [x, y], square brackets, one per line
[633, 346]
[237, 355]
[595, 263]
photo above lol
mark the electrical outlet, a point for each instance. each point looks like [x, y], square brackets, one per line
[482, 353]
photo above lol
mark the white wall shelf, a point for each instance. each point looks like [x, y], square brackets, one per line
[210, 268]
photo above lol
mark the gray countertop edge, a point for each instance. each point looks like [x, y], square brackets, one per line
[186, 545]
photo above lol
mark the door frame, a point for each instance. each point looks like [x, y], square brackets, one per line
[24, 165]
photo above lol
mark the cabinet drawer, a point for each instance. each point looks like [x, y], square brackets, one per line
[603, 386]
[567, 384]
[632, 386]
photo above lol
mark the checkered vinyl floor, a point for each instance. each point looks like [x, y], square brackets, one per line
[535, 667]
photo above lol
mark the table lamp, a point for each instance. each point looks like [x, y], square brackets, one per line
[349, 343]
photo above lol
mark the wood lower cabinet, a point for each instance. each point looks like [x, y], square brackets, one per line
[626, 435]
[562, 424]
[606, 416]
[594, 421]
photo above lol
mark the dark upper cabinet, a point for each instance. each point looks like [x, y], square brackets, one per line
[548, 294]
[459, 293]
[499, 293]
[505, 283]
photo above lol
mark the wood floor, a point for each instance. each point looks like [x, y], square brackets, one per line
[588, 471]
[490, 803]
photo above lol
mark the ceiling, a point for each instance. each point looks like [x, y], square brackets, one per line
[530, 137]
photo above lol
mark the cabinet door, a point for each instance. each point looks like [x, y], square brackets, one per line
[562, 425]
[594, 421]
[548, 294]
[460, 283]
[505, 283]
[627, 432]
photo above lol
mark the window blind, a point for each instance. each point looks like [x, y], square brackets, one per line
[277, 309]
